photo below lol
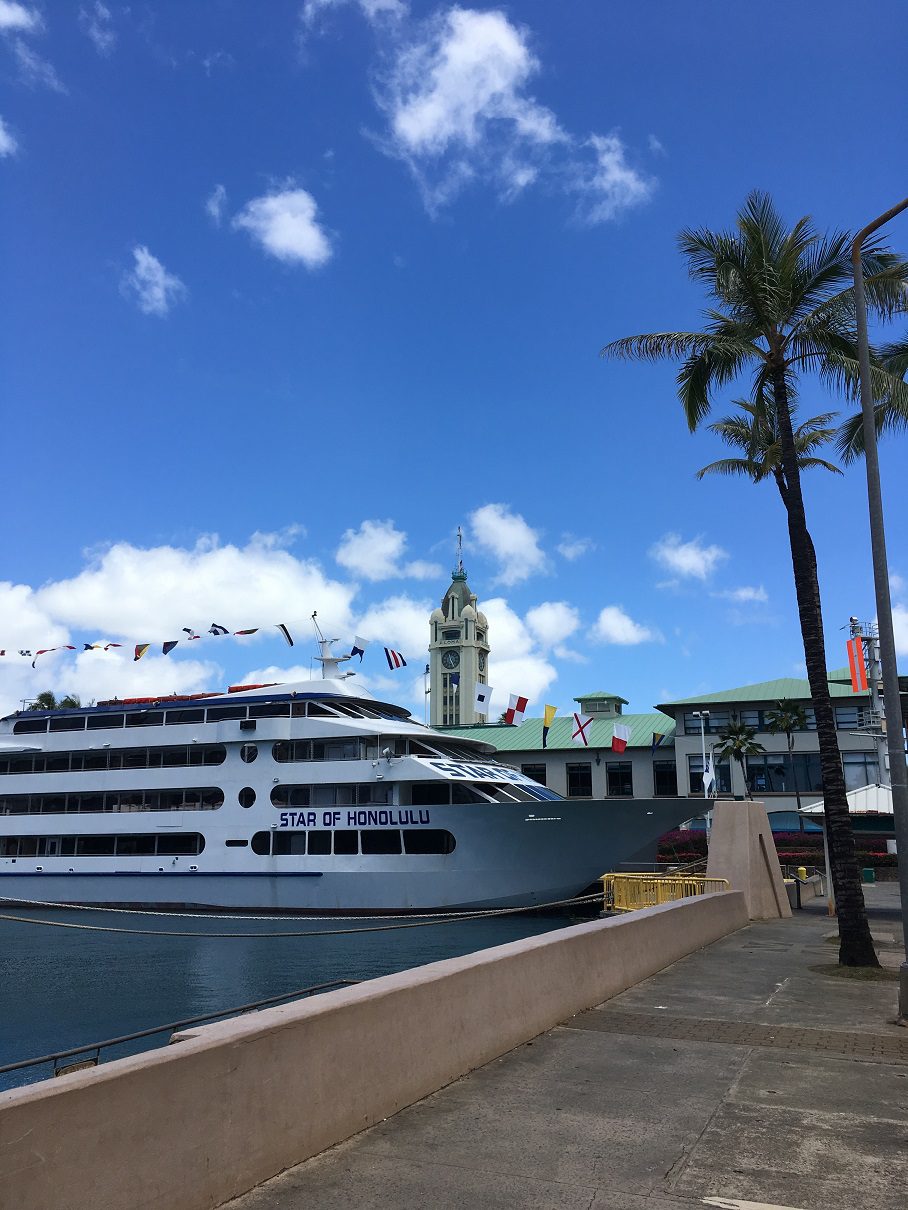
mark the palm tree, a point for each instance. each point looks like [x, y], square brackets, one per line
[784, 305]
[737, 742]
[785, 718]
[891, 412]
[46, 700]
[756, 435]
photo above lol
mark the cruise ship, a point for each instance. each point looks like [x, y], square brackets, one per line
[311, 796]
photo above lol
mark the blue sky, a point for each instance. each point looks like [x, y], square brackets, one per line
[291, 290]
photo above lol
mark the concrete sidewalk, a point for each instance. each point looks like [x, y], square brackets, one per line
[736, 1077]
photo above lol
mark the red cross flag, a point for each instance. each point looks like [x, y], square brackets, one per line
[581, 726]
[517, 708]
[620, 737]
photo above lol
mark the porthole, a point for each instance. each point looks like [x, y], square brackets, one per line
[246, 796]
[248, 753]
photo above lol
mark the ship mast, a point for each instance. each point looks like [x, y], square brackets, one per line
[330, 663]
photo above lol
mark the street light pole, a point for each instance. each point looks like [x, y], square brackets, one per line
[898, 771]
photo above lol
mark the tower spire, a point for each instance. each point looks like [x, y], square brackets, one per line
[459, 573]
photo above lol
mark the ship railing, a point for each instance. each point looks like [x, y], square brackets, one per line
[78, 1057]
[630, 892]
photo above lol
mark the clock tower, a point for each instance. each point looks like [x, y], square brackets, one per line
[458, 652]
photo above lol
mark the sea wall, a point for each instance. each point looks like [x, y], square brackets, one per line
[226, 1106]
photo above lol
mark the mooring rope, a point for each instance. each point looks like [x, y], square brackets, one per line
[423, 921]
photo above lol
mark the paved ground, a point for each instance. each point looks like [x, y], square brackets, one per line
[737, 1078]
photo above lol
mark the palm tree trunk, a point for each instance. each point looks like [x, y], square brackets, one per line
[855, 942]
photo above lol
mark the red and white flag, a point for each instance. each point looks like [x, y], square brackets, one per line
[856, 665]
[620, 737]
[581, 727]
[395, 659]
[517, 708]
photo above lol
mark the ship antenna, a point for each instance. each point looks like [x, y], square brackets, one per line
[330, 663]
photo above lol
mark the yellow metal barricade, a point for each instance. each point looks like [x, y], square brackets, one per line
[628, 892]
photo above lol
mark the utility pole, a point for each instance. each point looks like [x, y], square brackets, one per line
[895, 743]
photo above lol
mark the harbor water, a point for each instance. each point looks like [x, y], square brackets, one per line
[63, 987]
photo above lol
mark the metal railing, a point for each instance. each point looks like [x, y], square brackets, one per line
[91, 1054]
[629, 892]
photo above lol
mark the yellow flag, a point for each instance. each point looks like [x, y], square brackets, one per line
[548, 714]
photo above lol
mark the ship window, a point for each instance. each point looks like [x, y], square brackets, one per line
[297, 749]
[95, 846]
[346, 843]
[461, 794]
[289, 844]
[261, 843]
[28, 846]
[431, 794]
[428, 840]
[319, 844]
[236, 844]
[343, 749]
[68, 722]
[374, 793]
[290, 796]
[343, 795]
[67, 846]
[221, 713]
[187, 845]
[145, 718]
[270, 710]
[104, 722]
[92, 761]
[193, 715]
[89, 803]
[135, 758]
[246, 796]
[317, 710]
[248, 753]
[28, 726]
[135, 846]
[380, 842]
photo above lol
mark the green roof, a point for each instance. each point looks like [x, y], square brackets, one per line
[600, 695]
[528, 736]
[765, 691]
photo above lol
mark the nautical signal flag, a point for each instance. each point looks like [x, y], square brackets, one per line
[856, 665]
[620, 737]
[517, 708]
[455, 680]
[483, 697]
[580, 734]
[548, 715]
[658, 737]
[359, 647]
[141, 648]
[285, 632]
[395, 659]
[168, 647]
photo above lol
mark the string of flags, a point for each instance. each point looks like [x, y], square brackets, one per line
[216, 630]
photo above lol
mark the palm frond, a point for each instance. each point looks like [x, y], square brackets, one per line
[890, 415]
[714, 365]
[734, 466]
[655, 346]
[894, 357]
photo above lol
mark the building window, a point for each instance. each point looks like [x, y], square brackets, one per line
[450, 636]
[695, 775]
[780, 773]
[579, 781]
[861, 769]
[847, 718]
[619, 779]
[717, 721]
[537, 772]
[665, 777]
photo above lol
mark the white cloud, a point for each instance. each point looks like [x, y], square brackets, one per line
[97, 23]
[35, 71]
[900, 628]
[285, 224]
[374, 552]
[154, 289]
[510, 540]
[610, 185]
[746, 594]
[552, 622]
[615, 626]
[215, 203]
[516, 665]
[372, 10]
[572, 548]
[8, 144]
[18, 17]
[400, 622]
[689, 560]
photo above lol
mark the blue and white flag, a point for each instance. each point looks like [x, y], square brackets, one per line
[359, 647]
[483, 698]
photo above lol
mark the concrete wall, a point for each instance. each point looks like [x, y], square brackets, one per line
[191, 1125]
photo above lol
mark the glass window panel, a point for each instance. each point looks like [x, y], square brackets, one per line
[270, 710]
[104, 721]
[136, 846]
[346, 843]
[193, 714]
[380, 841]
[665, 777]
[319, 844]
[538, 773]
[145, 718]
[68, 722]
[579, 780]
[619, 779]
[428, 840]
[261, 843]
[222, 713]
[95, 846]
[29, 726]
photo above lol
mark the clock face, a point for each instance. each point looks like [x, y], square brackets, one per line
[450, 659]
[482, 663]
